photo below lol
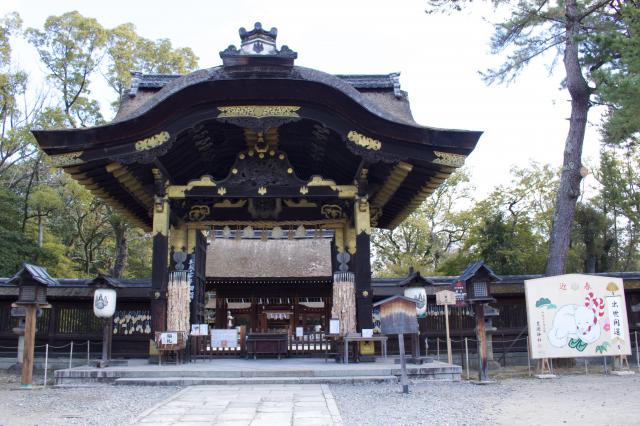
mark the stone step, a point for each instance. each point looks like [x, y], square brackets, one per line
[194, 381]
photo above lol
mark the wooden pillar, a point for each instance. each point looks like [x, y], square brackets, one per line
[482, 342]
[160, 257]
[29, 345]
[362, 266]
[221, 311]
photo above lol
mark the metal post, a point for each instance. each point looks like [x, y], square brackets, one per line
[637, 353]
[586, 367]
[46, 362]
[403, 365]
[606, 371]
[88, 351]
[528, 358]
[466, 351]
[438, 347]
[71, 355]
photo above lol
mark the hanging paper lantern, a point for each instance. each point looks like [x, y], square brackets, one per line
[226, 231]
[419, 294]
[301, 232]
[104, 302]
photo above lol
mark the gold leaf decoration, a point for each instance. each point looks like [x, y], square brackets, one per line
[228, 204]
[262, 190]
[69, 159]
[152, 142]
[331, 211]
[199, 212]
[304, 190]
[222, 190]
[364, 141]
[258, 111]
[449, 159]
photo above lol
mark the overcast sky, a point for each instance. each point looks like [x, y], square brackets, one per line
[438, 56]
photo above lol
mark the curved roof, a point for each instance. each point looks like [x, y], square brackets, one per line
[331, 126]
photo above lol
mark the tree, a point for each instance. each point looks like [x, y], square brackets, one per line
[618, 83]
[128, 52]
[71, 47]
[533, 28]
[510, 227]
[74, 48]
[427, 236]
[620, 201]
[17, 114]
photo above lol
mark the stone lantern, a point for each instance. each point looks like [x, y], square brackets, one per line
[104, 306]
[32, 282]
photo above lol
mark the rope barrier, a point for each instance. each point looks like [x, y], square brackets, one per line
[8, 347]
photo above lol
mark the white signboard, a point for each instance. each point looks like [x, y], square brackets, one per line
[199, 329]
[224, 338]
[169, 338]
[367, 332]
[419, 294]
[445, 297]
[334, 326]
[577, 315]
[299, 331]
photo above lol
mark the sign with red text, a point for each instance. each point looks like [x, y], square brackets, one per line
[577, 315]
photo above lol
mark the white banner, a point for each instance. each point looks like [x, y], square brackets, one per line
[577, 315]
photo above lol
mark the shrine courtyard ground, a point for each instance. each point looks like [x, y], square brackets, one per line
[570, 399]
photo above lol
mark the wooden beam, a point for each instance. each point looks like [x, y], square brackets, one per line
[99, 192]
[130, 183]
[391, 185]
[417, 199]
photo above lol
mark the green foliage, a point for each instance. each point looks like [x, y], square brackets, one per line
[618, 79]
[426, 237]
[71, 47]
[128, 52]
[15, 248]
[510, 228]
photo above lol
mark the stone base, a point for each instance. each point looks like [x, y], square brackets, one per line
[623, 372]
[546, 376]
[416, 361]
[484, 382]
[237, 371]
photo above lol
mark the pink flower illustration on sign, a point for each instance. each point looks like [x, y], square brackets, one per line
[606, 326]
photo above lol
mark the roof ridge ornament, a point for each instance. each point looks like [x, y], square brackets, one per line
[258, 47]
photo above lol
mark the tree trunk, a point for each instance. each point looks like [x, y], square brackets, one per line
[40, 229]
[569, 189]
[121, 250]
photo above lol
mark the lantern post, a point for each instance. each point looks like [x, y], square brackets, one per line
[104, 306]
[477, 279]
[32, 282]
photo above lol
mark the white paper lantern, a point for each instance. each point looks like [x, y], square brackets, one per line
[419, 294]
[104, 302]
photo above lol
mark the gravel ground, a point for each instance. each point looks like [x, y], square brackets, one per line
[97, 405]
[567, 400]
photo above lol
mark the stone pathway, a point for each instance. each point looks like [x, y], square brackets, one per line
[249, 405]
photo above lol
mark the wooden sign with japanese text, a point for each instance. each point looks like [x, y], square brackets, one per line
[445, 297]
[577, 315]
